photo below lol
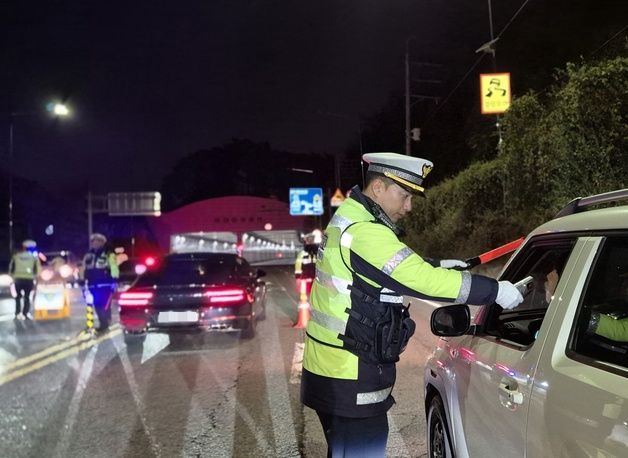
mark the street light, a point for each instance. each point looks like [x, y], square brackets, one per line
[57, 109]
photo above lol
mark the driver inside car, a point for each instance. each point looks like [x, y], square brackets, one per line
[612, 325]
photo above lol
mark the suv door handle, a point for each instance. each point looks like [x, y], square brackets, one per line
[508, 388]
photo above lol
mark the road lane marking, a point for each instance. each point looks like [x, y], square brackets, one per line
[211, 418]
[154, 344]
[297, 363]
[240, 409]
[278, 391]
[137, 398]
[61, 449]
[50, 350]
[5, 378]
[6, 358]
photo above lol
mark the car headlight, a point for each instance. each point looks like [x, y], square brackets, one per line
[46, 274]
[65, 271]
[6, 280]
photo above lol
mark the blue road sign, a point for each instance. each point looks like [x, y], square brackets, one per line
[306, 201]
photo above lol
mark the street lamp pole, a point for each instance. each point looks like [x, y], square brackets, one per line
[59, 110]
[11, 185]
[407, 72]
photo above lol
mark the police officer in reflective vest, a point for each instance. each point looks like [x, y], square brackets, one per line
[305, 264]
[359, 325]
[100, 272]
[24, 268]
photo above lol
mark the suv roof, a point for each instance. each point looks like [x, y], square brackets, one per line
[601, 219]
[575, 216]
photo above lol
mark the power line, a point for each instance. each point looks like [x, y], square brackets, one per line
[513, 18]
[475, 64]
[466, 75]
[610, 39]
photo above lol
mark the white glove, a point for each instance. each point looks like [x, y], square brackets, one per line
[449, 263]
[508, 296]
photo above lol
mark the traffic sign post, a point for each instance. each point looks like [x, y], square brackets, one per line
[495, 92]
[337, 199]
[134, 203]
[306, 201]
[122, 204]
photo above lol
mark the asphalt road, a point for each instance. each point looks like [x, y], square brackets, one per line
[65, 395]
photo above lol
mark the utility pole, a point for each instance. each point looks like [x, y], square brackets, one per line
[11, 186]
[90, 216]
[408, 96]
[492, 51]
[416, 97]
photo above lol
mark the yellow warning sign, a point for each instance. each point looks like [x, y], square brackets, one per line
[494, 92]
[337, 199]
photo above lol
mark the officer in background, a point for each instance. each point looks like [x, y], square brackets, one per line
[305, 264]
[24, 268]
[100, 272]
[358, 325]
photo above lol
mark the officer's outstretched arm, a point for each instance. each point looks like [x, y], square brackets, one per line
[376, 253]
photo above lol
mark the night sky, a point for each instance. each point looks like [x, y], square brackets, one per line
[152, 81]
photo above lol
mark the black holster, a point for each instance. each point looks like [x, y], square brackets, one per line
[377, 332]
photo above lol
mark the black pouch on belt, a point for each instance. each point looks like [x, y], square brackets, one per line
[377, 332]
[392, 333]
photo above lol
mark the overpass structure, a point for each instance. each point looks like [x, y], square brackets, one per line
[260, 229]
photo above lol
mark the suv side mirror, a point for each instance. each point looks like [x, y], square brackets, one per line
[451, 320]
[260, 273]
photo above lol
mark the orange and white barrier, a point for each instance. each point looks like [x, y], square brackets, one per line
[303, 307]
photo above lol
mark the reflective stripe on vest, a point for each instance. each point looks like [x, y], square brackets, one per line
[346, 239]
[329, 281]
[340, 222]
[465, 288]
[396, 299]
[388, 295]
[329, 322]
[395, 260]
[373, 397]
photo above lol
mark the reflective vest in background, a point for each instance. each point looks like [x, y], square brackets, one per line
[363, 268]
[304, 264]
[24, 266]
[100, 267]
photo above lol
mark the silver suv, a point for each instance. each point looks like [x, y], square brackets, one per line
[549, 377]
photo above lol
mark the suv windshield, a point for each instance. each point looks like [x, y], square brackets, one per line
[188, 271]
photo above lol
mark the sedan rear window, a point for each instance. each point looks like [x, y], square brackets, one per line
[188, 271]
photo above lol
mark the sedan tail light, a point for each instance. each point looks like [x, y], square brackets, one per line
[135, 298]
[227, 295]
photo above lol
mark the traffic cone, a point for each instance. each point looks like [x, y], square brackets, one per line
[303, 308]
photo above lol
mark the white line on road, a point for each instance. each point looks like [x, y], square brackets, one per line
[6, 357]
[297, 363]
[237, 407]
[153, 344]
[277, 390]
[135, 392]
[61, 449]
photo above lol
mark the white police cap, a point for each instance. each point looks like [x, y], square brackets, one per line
[97, 236]
[407, 171]
[29, 244]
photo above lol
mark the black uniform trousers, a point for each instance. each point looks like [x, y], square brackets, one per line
[23, 288]
[355, 437]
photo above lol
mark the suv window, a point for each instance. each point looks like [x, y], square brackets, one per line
[544, 261]
[601, 325]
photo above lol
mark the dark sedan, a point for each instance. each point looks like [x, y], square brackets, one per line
[194, 292]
